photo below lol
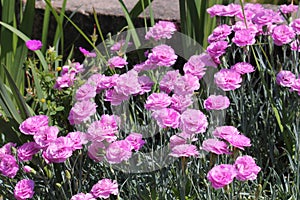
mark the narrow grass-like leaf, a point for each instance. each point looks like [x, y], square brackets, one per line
[24, 112]
[25, 38]
[46, 21]
[7, 103]
[131, 28]
[100, 31]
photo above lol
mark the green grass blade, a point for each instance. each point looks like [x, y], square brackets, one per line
[131, 28]
[25, 38]
[24, 112]
[21, 51]
[7, 103]
[46, 21]
[100, 32]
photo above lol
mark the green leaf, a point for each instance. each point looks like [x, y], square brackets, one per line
[25, 38]
[24, 112]
[131, 28]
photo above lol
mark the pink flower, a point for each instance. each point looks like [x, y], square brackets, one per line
[103, 82]
[285, 78]
[87, 53]
[243, 68]
[238, 140]
[81, 112]
[128, 83]
[45, 136]
[157, 101]
[27, 150]
[28, 169]
[180, 103]
[82, 196]
[114, 97]
[296, 25]
[282, 34]
[181, 138]
[186, 85]
[64, 81]
[24, 189]
[216, 49]
[215, 146]
[249, 14]
[223, 131]
[116, 62]
[195, 66]
[8, 165]
[161, 30]
[266, 17]
[221, 175]
[104, 129]
[145, 66]
[167, 117]
[32, 124]
[240, 25]
[6, 149]
[59, 150]
[162, 55]
[219, 33]
[193, 121]
[218, 102]
[168, 81]
[96, 151]
[118, 45]
[228, 79]
[118, 151]
[243, 38]
[78, 138]
[222, 10]
[34, 45]
[246, 168]
[286, 9]
[146, 84]
[295, 45]
[184, 150]
[296, 86]
[85, 92]
[136, 140]
[104, 188]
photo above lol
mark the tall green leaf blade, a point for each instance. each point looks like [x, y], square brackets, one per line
[24, 112]
[131, 28]
[25, 38]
